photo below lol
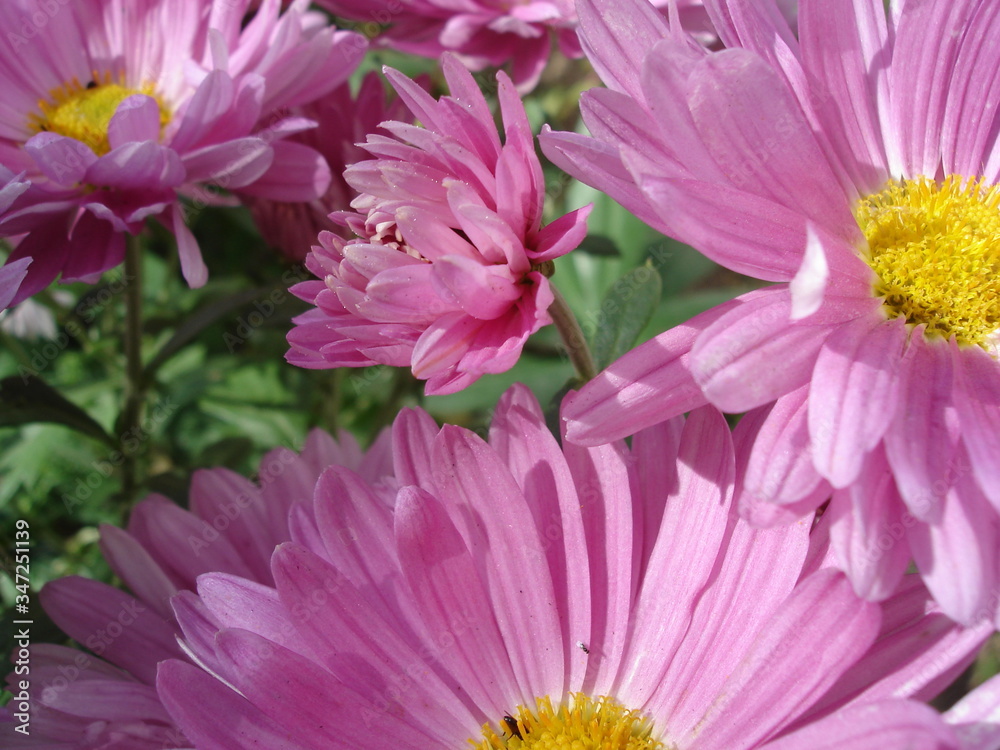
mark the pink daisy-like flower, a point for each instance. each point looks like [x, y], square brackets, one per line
[447, 273]
[114, 110]
[106, 698]
[857, 167]
[343, 120]
[607, 596]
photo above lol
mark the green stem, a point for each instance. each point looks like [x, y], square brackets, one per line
[135, 385]
[572, 336]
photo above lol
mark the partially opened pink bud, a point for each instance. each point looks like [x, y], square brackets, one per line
[448, 272]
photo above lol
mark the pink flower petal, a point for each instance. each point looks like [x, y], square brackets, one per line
[138, 165]
[683, 560]
[769, 688]
[445, 586]
[609, 529]
[63, 160]
[519, 435]
[136, 119]
[920, 444]
[111, 623]
[765, 562]
[138, 570]
[957, 556]
[741, 106]
[868, 523]
[483, 291]
[927, 43]
[977, 399]
[474, 477]
[196, 700]
[780, 469]
[616, 43]
[876, 726]
[297, 173]
[843, 42]
[733, 358]
[854, 394]
[646, 386]
[340, 626]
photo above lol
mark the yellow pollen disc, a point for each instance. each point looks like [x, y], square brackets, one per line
[582, 723]
[936, 249]
[84, 112]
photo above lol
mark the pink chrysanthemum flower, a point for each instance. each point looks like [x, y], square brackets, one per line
[858, 167]
[447, 273]
[114, 110]
[512, 587]
[343, 120]
[106, 698]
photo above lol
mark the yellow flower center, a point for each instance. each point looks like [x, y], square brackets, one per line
[84, 112]
[581, 723]
[936, 249]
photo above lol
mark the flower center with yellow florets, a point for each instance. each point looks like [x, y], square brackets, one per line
[581, 723]
[935, 247]
[84, 112]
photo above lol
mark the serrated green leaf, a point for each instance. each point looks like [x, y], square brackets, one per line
[627, 307]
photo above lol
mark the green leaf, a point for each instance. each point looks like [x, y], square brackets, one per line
[627, 307]
[26, 399]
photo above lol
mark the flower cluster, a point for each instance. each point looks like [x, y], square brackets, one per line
[643, 577]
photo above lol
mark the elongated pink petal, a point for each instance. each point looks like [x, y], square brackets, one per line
[780, 468]
[196, 700]
[136, 119]
[339, 626]
[842, 42]
[868, 523]
[769, 688]
[919, 443]
[446, 586]
[647, 385]
[474, 476]
[766, 562]
[616, 43]
[733, 358]
[63, 160]
[694, 525]
[957, 555]
[520, 436]
[874, 727]
[138, 570]
[854, 395]
[977, 399]
[111, 623]
[928, 39]
[741, 106]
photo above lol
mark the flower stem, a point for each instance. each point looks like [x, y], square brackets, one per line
[572, 336]
[135, 385]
